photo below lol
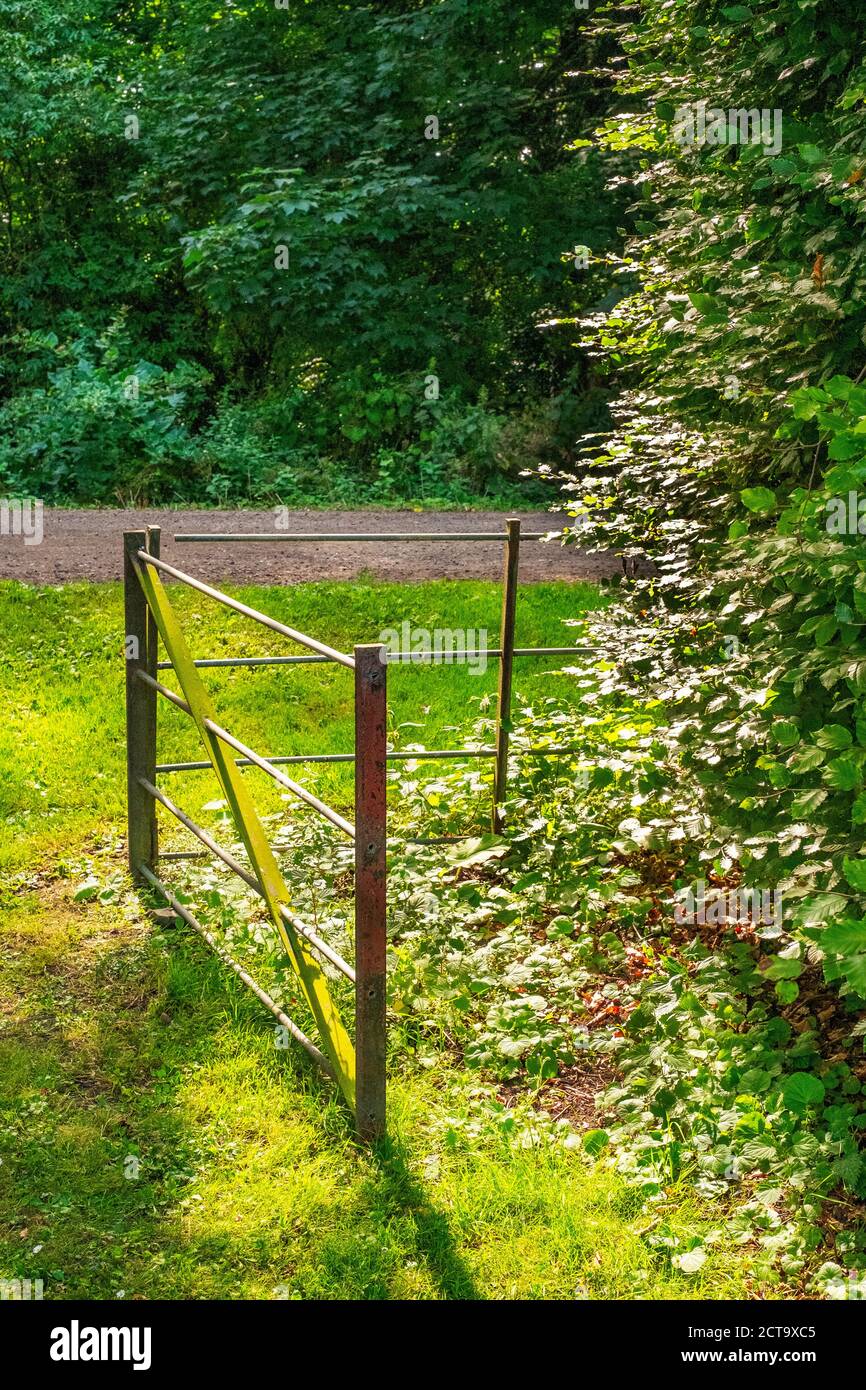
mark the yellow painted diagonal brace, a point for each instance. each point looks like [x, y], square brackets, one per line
[336, 1040]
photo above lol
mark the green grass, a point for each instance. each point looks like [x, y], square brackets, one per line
[62, 745]
[122, 1040]
[133, 1045]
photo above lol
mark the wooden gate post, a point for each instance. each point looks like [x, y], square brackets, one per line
[140, 651]
[506, 662]
[370, 888]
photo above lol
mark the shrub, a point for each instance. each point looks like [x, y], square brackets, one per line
[103, 425]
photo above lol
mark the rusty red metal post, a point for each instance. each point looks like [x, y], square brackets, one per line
[140, 651]
[370, 888]
[506, 662]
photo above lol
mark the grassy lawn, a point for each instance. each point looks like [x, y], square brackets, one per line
[154, 1142]
[120, 1046]
[62, 751]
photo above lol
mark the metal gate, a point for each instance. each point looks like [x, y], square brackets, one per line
[359, 1068]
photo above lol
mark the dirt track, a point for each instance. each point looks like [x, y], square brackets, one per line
[87, 545]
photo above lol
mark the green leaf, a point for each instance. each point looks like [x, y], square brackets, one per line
[706, 304]
[834, 736]
[754, 1080]
[691, 1260]
[759, 1153]
[801, 1089]
[818, 911]
[825, 631]
[855, 973]
[478, 850]
[560, 926]
[806, 803]
[782, 968]
[847, 938]
[843, 774]
[806, 759]
[758, 499]
[594, 1140]
[846, 447]
[855, 872]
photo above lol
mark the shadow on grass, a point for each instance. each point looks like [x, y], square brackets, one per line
[123, 1050]
[435, 1243]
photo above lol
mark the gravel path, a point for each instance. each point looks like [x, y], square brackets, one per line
[87, 545]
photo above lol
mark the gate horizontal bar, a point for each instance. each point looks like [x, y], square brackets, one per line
[283, 1018]
[164, 690]
[442, 658]
[246, 611]
[426, 756]
[281, 779]
[249, 879]
[392, 660]
[330, 536]
[251, 661]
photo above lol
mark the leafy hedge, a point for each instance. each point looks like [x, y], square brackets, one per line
[736, 355]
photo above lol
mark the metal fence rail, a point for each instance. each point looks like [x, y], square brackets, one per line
[358, 1068]
[244, 609]
[422, 755]
[402, 658]
[328, 536]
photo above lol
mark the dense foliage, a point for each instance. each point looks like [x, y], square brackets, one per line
[737, 463]
[548, 955]
[283, 251]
